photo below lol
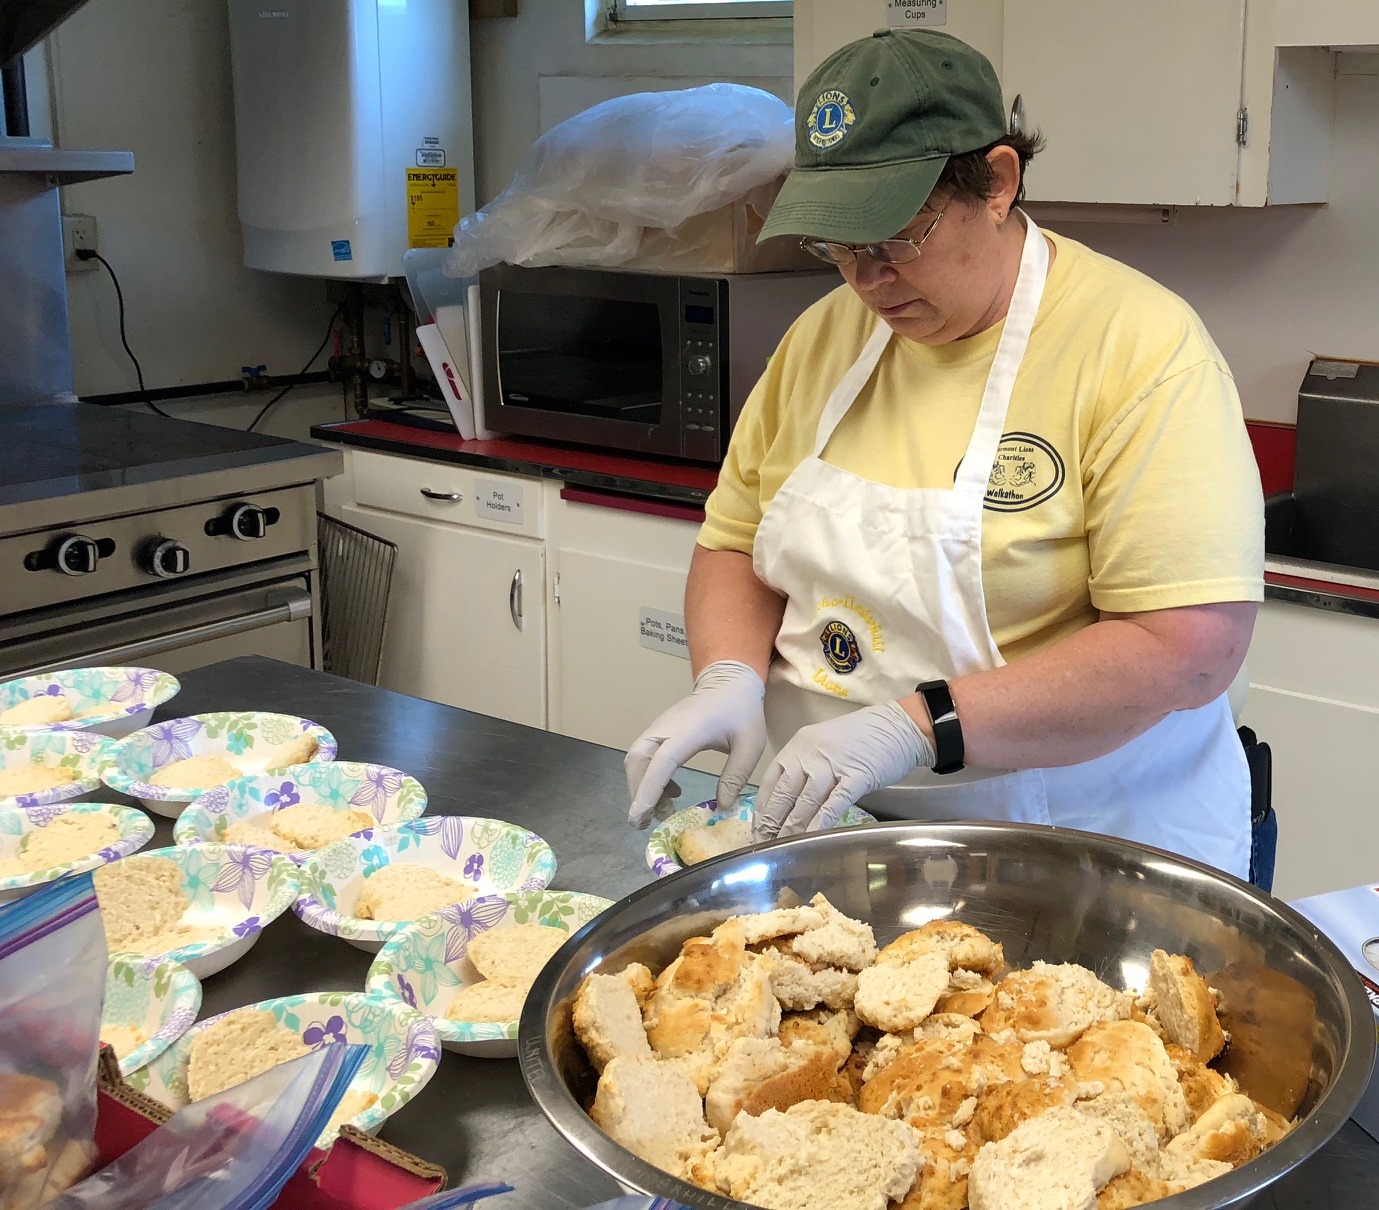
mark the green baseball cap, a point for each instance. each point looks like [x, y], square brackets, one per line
[874, 125]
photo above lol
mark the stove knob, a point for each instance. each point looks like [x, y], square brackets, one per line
[247, 522]
[77, 555]
[169, 558]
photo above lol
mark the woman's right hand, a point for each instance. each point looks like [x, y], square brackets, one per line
[725, 712]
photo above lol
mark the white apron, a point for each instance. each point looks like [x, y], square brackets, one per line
[883, 589]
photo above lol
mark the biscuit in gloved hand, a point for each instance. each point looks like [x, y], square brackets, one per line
[828, 766]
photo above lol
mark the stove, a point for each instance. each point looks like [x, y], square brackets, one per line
[126, 537]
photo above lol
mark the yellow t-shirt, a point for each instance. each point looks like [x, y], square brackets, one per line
[1124, 482]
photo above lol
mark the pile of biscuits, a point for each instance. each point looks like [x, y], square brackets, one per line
[785, 1061]
[36, 1161]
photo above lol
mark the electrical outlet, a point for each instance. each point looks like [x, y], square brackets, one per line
[79, 231]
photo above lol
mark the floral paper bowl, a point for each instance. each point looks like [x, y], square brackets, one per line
[80, 751]
[404, 1051]
[105, 701]
[662, 856]
[388, 795]
[491, 856]
[155, 996]
[235, 889]
[18, 824]
[425, 965]
[247, 739]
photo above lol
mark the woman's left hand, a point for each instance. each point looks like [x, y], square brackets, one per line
[828, 766]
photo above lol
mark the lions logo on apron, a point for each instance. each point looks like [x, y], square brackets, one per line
[840, 647]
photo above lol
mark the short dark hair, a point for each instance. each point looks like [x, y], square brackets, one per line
[968, 177]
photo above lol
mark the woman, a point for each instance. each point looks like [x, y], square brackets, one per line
[988, 543]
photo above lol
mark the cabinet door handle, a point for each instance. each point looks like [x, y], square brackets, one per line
[515, 598]
[448, 497]
[1017, 115]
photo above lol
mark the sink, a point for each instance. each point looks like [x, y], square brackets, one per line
[1339, 546]
[1281, 536]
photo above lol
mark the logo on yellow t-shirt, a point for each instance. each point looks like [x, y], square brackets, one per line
[840, 647]
[1027, 471]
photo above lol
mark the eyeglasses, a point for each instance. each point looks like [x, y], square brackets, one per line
[895, 251]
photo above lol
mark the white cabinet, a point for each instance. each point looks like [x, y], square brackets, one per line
[617, 618]
[1339, 24]
[467, 613]
[1138, 99]
[822, 26]
[1314, 698]
[1141, 101]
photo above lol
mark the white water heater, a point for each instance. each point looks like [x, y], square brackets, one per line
[354, 138]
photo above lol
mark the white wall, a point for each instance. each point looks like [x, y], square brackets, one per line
[511, 54]
[1276, 285]
[153, 77]
[305, 406]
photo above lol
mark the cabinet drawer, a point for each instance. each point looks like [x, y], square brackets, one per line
[459, 495]
[1316, 654]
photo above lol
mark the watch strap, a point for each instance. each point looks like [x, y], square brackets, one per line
[948, 745]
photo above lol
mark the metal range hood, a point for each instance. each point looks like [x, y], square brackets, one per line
[25, 23]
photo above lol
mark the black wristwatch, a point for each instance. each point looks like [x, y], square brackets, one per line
[948, 747]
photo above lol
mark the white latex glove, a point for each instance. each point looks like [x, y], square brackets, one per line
[826, 767]
[725, 712]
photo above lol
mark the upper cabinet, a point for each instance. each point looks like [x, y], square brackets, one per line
[1144, 102]
[1138, 99]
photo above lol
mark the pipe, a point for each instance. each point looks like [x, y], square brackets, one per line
[404, 350]
[16, 99]
[358, 369]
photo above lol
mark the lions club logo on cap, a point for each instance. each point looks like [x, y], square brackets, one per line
[831, 118]
[840, 648]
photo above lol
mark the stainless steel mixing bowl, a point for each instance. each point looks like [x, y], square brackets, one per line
[1302, 1034]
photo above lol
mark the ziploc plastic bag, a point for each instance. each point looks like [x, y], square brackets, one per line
[52, 979]
[236, 1149]
[595, 188]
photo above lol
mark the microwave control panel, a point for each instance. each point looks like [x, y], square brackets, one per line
[702, 369]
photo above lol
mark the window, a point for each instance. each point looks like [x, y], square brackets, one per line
[663, 10]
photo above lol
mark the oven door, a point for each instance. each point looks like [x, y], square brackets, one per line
[583, 355]
[273, 616]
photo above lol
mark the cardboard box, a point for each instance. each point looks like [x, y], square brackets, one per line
[724, 241]
[1350, 919]
[357, 1173]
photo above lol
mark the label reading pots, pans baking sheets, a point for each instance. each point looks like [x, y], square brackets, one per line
[498, 501]
[916, 14]
[664, 632]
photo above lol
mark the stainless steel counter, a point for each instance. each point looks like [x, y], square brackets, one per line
[475, 1117]
[64, 463]
[1326, 586]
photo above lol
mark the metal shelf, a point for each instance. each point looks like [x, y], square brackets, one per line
[38, 157]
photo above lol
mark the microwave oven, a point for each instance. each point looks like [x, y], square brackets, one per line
[651, 363]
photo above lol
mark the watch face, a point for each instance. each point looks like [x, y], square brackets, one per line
[1370, 949]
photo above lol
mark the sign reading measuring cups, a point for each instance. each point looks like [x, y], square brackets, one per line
[916, 14]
